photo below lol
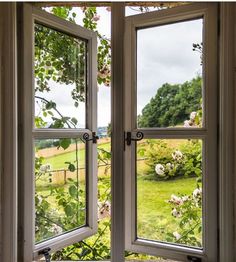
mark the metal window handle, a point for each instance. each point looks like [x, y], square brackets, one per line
[94, 137]
[129, 138]
[46, 254]
[194, 259]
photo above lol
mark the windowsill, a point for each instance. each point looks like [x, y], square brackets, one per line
[132, 260]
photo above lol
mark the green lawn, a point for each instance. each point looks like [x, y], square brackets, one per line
[153, 211]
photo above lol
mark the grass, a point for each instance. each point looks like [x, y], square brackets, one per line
[153, 212]
[58, 160]
[154, 219]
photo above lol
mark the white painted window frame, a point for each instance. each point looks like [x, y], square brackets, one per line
[32, 15]
[208, 133]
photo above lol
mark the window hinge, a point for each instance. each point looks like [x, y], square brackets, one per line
[194, 259]
[94, 137]
[46, 254]
[139, 136]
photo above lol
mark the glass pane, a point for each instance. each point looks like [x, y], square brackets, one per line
[60, 79]
[169, 191]
[169, 75]
[60, 187]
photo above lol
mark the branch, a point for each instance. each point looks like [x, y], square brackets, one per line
[46, 101]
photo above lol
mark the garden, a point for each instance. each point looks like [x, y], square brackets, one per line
[168, 171]
[168, 195]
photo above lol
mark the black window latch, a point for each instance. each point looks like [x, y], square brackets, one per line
[46, 254]
[194, 259]
[94, 137]
[129, 138]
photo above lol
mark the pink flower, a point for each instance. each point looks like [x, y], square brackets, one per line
[104, 210]
[176, 200]
[104, 72]
[96, 18]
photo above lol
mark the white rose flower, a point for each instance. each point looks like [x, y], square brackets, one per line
[187, 123]
[40, 200]
[45, 168]
[185, 198]
[56, 229]
[176, 235]
[175, 213]
[193, 115]
[177, 155]
[197, 192]
[169, 166]
[160, 170]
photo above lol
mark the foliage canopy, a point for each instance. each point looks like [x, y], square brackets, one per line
[172, 104]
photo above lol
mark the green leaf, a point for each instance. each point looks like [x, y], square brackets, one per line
[73, 191]
[85, 252]
[71, 168]
[65, 143]
[50, 105]
[74, 120]
[68, 210]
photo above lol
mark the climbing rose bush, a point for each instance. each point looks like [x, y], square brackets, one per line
[187, 209]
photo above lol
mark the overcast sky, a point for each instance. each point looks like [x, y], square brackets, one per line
[164, 54]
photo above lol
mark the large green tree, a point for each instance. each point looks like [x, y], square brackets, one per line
[172, 104]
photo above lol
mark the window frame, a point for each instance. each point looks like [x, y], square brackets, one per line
[32, 15]
[208, 133]
[12, 227]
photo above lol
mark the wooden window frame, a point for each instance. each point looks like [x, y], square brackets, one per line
[208, 133]
[31, 16]
[11, 226]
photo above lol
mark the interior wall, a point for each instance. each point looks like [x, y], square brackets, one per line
[8, 132]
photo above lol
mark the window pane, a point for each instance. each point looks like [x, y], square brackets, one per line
[169, 191]
[60, 79]
[60, 187]
[169, 75]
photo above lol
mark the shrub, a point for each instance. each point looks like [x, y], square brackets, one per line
[166, 162]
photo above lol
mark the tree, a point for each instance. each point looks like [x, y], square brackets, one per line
[172, 104]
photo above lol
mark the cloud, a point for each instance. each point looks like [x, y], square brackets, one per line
[165, 55]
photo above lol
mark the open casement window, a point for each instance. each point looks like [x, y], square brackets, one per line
[59, 159]
[177, 147]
